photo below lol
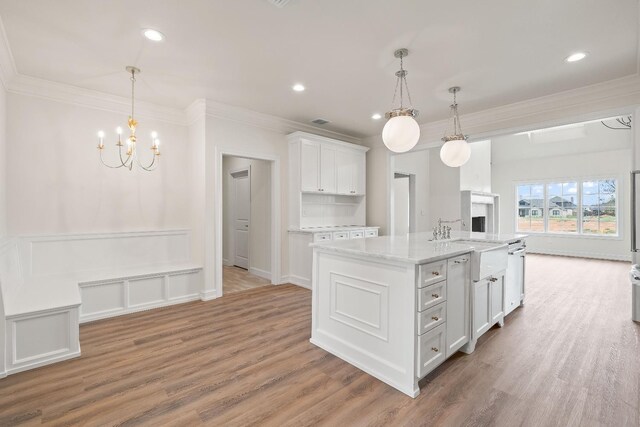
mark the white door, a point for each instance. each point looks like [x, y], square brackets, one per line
[401, 205]
[241, 217]
[458, 325]
[481, 307]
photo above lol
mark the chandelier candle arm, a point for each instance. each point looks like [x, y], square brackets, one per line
[131, 140]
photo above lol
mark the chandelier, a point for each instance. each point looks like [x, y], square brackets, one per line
[456, 151]
[401, 132]
[130, 156]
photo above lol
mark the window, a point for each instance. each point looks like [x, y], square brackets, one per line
[599, 210]
[530, 204]
[586, 207]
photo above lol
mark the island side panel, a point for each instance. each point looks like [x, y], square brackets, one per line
[364, 313]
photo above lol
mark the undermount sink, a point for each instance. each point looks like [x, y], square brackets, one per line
[487, 259]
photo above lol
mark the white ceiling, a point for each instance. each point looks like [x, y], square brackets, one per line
[248, 53]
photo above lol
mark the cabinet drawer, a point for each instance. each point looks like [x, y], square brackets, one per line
[341, 235]
[429, 319]
[432, 295]
[321, 237]
[432, 273]
[357, 234]
[371, 233]
[431, 350]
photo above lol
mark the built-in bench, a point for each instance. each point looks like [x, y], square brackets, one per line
[51, 284]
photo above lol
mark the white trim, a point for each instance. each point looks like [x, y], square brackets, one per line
[214, 264]
[138, 308]
[269, 122]
[49, 360]
[260, 273]
[7, 63]
[208, 295]
[303, 282]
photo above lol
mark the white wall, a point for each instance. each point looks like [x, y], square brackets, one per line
[3, 162]
[417, 163]
[599, 153]
[56, 183]
[260, 228]
[475, 175]
[401, 206]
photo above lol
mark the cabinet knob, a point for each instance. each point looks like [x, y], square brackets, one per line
[435, 295]
[434, 349]
[435, 273]
[436, 318]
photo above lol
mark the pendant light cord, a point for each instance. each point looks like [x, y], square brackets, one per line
[133, 85]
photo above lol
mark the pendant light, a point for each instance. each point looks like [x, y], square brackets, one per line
[401, 132]
[456, 151]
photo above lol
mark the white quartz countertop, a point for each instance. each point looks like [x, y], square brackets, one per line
[481, 237]
[415, 248]
[330, 228]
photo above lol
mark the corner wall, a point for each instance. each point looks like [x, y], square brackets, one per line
[3, 162]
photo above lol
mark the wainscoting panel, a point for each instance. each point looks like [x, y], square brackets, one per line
[148, 291]
[102, 298]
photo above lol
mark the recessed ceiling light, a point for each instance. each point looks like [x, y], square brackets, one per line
[298, 87]
[376, 116]
[575, 57]
[153, 35]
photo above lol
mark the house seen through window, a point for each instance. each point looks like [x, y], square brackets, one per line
[575, 207]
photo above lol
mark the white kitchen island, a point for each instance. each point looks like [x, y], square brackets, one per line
[397, 307]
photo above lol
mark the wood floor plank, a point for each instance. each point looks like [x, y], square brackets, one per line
[569, 357]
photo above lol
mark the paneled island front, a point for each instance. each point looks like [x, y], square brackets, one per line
[397, 307]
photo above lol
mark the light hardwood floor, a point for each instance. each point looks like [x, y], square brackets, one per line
[569, 357]
[236, 279]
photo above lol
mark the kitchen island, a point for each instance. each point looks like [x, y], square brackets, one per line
[397, 307]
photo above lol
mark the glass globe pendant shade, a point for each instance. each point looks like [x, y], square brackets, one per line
[401, 133]
[455, 153]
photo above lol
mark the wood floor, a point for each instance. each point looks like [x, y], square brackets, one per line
[236, 279]
[570, 357]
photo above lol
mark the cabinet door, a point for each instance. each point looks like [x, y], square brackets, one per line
[458, 324]
[309, 166]
[327, 169]
[360, 174]
[481, 307]
[513, 284]
[344, 173]
[497, 298]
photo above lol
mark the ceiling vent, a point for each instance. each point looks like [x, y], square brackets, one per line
[320, 121]
[279, 3]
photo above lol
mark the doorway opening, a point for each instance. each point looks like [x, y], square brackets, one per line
[246, 221]
[403, 204]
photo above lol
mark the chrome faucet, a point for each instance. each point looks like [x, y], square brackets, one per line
[444, 231]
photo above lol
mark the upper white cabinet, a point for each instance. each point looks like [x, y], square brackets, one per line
[327, 184]
[351, 173]
[328, 166]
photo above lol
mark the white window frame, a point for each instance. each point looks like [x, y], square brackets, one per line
[545, 209]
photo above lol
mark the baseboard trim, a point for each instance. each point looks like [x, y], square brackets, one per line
[226, 262]
[146, 307]
[260, 273]
[297, 280]
[590, 255]
[208, 295]
[40, 363]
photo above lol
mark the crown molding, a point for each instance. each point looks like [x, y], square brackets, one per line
[612, 97]
[269, 122]
[197, 110]
[7, 64]
[60, 92]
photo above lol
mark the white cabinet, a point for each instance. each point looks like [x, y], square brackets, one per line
[458, 324]
[514, 281]
[487, 297]
[310, 173]
[351, 173]
[317, 167]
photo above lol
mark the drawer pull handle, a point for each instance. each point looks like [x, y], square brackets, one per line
[434, 349]
[435, 296]
[462, 261]
[436, 318]
[435, 273]
[493, 279]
